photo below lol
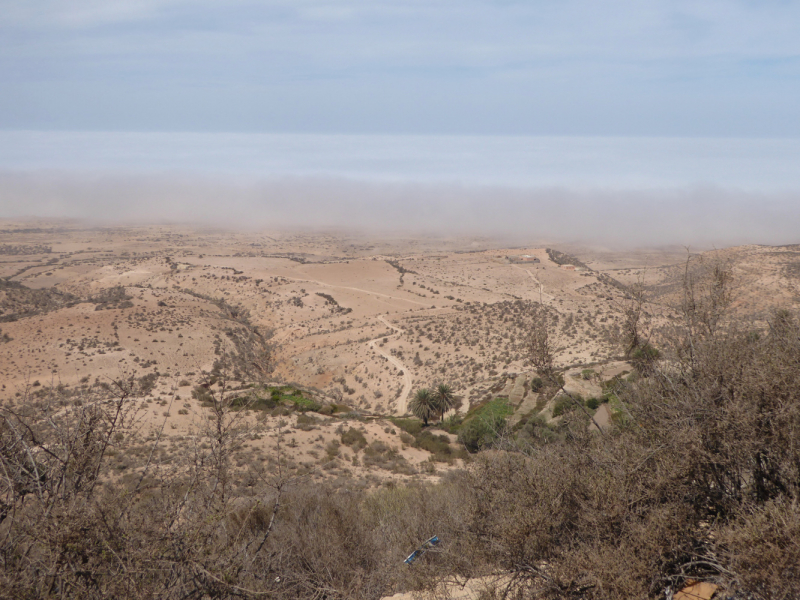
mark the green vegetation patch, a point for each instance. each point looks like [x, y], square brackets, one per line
[253, 403]
[263, 399]
[499, 407]
[414, 434]
[452, 424]
[304, 404]
[439, 447]
[484, 424]
[565, 404]
[410, 426]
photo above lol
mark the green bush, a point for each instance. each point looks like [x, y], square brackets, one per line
[305, 404]
[306, 422]
[412, 426]
[202, 395]
[332, 449]
[452, 423]
[536, 384]
[643, 358]
[254, 403]
[435, 444]
[592, 403]
[484, 425]
[536, 431]
[354, 438]
[480, 433]
[565, 404]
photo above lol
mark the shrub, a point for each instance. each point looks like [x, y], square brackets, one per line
[332, 449]
[354, 438]
[484, 425]
[565, 404]
[306, 422]
[252, 402]
[202, 395]
[643, 358]
[452, 423]
[479, 434]
[534, 430]
[305, 404]
[411, 426]
[435, 444]
[376, 447]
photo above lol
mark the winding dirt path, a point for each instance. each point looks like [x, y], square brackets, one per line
[542, 294]
[402, 401]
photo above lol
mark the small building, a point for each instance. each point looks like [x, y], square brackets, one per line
[523, 258]
[568, 267]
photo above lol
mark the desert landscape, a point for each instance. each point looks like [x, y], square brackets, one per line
[399, 300]
[354, 321]
[307, 351]
[364, 322]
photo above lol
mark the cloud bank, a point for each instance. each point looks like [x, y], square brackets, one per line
[615, 218]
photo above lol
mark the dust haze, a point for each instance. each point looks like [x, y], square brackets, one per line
[614, 218]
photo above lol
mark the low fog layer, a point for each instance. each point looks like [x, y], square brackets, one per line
[615, 218]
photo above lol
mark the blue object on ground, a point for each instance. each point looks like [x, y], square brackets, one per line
[426, 545]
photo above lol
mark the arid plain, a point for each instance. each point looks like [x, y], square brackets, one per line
[356, 321]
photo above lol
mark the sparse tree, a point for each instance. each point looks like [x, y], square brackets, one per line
[444, 399]
[542, 349]
[423, 405]
[634, 318]
[707, 296]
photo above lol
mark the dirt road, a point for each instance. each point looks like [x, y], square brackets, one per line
[542, 294]
[402, 402]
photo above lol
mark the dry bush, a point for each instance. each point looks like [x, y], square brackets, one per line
[69, 528]
[699, 480]
[761, 546]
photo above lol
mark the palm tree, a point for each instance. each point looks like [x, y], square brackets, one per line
[423, 405]
[444, 399]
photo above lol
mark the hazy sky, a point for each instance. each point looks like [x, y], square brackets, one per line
[616, 121]
[574, 162]
[540, 67]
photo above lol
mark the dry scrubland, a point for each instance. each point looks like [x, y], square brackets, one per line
[210, 414]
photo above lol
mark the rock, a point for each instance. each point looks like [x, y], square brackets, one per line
[701, 590]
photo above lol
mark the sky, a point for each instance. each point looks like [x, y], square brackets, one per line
[530, 67]
[635, 121]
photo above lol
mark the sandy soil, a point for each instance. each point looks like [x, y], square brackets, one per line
[364, 321]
